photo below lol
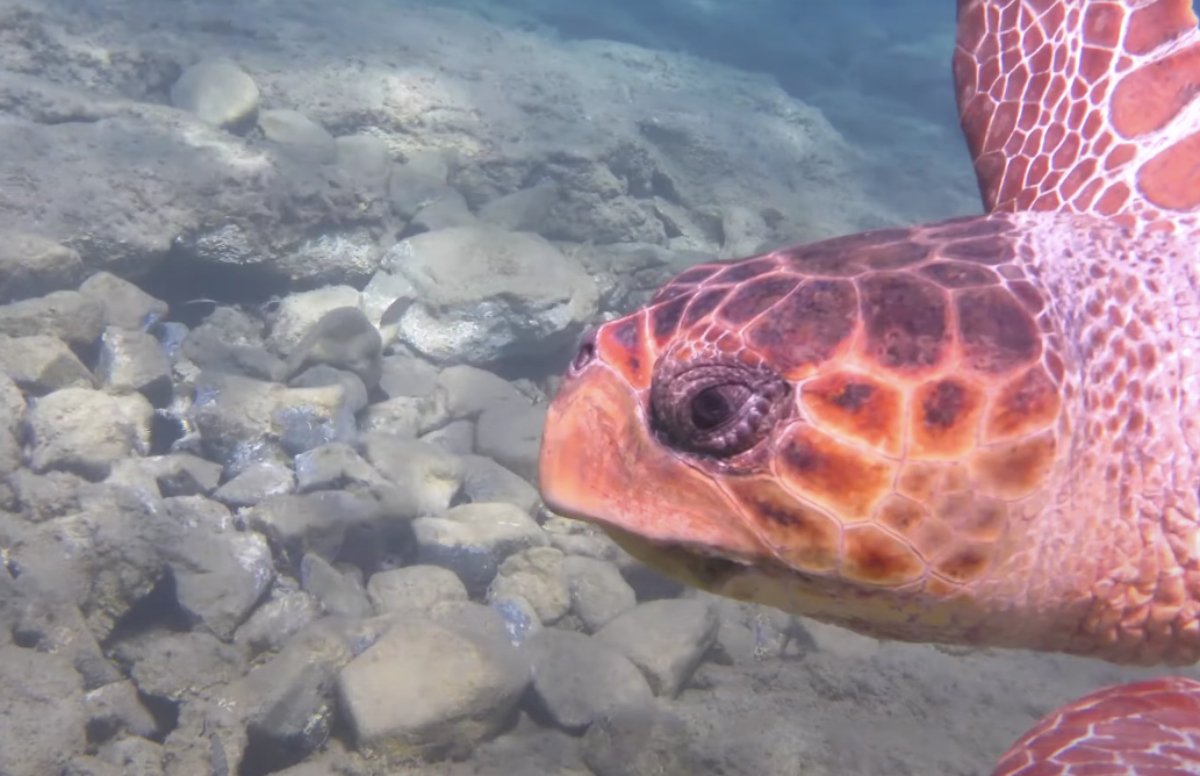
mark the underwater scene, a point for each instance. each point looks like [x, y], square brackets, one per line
[375, 396]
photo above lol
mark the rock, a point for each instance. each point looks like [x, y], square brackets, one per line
[449, 210]
[230, 342]
[125, 305]
[134, 361]
[520, 618]
[598, 591]
[41, 364]
[405, 416]
[277, 620]
[640, 741]
[183, 474]
[365, 158]
[135, 756]
[115, 709]
[86, 431]
[86, 765]
[339, 594]
[473, 539]
[512, 435]
[335, 466]
[414, 588]
[31, 265]
[484, 294]
[287, 705]
[57, 627]
[429, 477]
[255, 483]
[578, 680]
[313, 522]
[524, 210]
[298, 136]
[535, 574]
[322, 375]
[484, 480]
[412, 189]
[666, 639]
[69, 315]
[42, 497]
[220, 574]
[344, 339]
[469, 391]
[457, 438]
[42, 708]
[218, 92]
[243, 421]
[407, 375]
[425, 690]
[347, 256]
[298, 313]
[386, 295]
[176, 666]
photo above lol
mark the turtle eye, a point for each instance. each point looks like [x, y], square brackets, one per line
[716, 410]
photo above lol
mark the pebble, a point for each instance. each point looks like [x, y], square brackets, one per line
[427, 475]
[339, 594]
[484, 480]
[537, 575]
[125, 305]
[256, 482]
[74, 318]
[286, 613]
[134, 361]
[512, 436]
[296, 524]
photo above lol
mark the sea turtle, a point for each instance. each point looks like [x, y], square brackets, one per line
[982, 431]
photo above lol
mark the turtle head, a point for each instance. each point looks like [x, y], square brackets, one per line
[849, 430]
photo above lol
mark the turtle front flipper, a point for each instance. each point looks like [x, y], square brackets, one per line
[1083, 106]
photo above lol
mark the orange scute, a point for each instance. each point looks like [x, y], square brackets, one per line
[1016, 469]
[859, 407]
[800, 535]
[1027, 404]
[844, 480]
[945, 419]
[875, 557]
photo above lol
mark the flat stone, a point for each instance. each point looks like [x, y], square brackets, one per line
[42, 709]
[125, 305]
[69, 315]
[414, 588]
[86, 431]
[578, 680]
[41, 364]
[484, 480]
[256, 482]
[666, 639]
[512, 436]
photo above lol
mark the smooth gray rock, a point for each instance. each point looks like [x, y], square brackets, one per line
[512, 435]
[218, 92]
[134, 361]
[86, 431]
[298, 136]
[414, 588]
[339, 594]
[666, 639]
[256, 482]
[176, 666]
[428, 476]
[31, 265]
[277, 620]
[425, 690]
[598, 591]
[42, 709]
[456, 438]
[473, 539]
[335, 466]
[537, 575]
[74, 318]
[470, 390]
[115, 709]
[483, 294]
[578, 680]
[311, 522]
[220, 573]
[41, 364]
[484, 480]
[342, 338]
[125, 305]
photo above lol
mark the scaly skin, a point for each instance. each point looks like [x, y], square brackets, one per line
[980, 432]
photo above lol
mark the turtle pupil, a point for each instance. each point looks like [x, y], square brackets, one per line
[710, 408]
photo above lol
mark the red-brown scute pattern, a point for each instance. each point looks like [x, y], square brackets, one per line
[1150, 728]
[926, 396]
[1060, 128]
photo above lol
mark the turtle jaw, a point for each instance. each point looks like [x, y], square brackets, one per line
[599, 463]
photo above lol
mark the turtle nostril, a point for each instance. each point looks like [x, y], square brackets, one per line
[586, 353]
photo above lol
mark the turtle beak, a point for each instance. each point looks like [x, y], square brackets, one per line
[600, 463]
